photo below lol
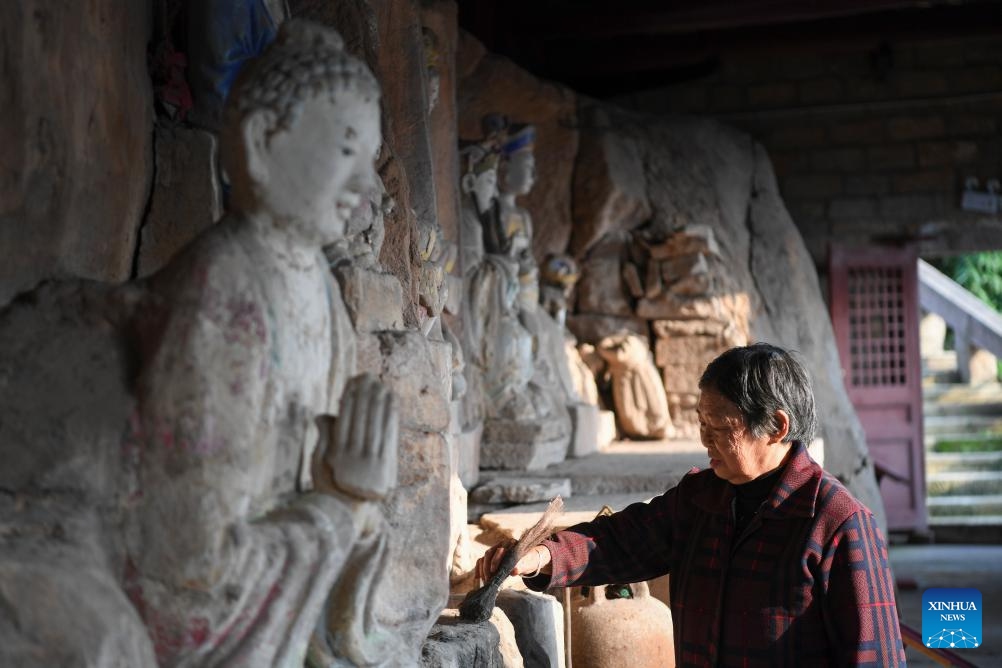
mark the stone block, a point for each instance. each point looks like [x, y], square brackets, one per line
[838, 160]
[592, 328]
[809, 186]
[924, 181]
[932, 154]
[675, 328]
[538, 620]
[797, 137]
[512, 445]
[910, 207]
[404, 361]
[675, 307]
[609, 184]
[921, 83]
[790, 162]
[375, 299]
[772, 94]
[514, 489]
[890, 157]
[687, 350]
[678, 268]
[859, 132]
[867, 184]
[683, 378]
[817, 91]
[606, 429]
[693, 239]
[456, 644]
[852, 207]
[585, 430]
[726, 97]
[972, 124]
[915, 127]
[186, 197]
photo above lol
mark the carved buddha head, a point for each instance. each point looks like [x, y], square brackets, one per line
[301, 132]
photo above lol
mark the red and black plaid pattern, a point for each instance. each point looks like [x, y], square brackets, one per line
[806, 584]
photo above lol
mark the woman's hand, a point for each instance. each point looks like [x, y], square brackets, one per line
[536, 560]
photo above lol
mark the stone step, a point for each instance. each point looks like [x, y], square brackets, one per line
[943, 462]
[974, 409]
[945, 360]
[969, 520]
[951, 376]
[964, 483]
[953, 425]
[629, 467]
[959, 393]
[965, 505]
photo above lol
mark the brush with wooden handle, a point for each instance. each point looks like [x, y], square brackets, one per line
[479, 603]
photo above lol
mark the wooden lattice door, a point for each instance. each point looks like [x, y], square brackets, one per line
[875, 314]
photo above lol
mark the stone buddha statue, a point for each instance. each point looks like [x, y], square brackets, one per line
[204, 506]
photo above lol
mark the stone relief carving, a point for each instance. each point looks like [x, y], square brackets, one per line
[181, 488]
[637, 389]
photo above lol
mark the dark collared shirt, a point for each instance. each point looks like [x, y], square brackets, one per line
[807, 582]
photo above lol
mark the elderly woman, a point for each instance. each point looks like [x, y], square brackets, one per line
[772, 561]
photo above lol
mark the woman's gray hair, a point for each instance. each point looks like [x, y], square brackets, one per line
[761, 379]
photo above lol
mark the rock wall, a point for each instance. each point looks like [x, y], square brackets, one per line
[77, 136]
[682, 238]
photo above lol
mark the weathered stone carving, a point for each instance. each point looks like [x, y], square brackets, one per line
[171, 441]
[513, 387]
[639, 396]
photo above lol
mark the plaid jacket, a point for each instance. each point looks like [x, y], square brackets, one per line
[806, 584]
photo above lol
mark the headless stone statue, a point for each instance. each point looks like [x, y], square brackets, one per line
[637, 389]
[181, 488]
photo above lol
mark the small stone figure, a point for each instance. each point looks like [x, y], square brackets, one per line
[560, 273]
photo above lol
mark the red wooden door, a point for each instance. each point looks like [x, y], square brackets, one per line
[875, 314]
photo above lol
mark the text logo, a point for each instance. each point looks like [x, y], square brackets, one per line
[951, 618]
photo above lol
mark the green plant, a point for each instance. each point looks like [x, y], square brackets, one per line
[968, 445]
[981, 274]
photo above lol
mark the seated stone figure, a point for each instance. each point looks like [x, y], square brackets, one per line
[180, 493]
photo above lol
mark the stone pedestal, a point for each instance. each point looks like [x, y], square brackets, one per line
[538, 620]
[520, 489]
[606, 428]
[455, 644]
[585, 423]
[512, 445]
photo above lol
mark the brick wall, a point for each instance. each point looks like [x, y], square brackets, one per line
[870, 144]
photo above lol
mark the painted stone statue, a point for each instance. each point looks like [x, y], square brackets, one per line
[525, 422]
[183, 489]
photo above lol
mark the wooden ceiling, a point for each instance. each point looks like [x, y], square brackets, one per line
[607, 48]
